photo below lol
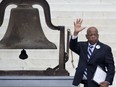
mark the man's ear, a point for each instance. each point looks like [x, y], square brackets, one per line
[98, 35]
[86, 36]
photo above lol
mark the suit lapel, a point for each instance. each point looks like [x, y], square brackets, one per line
[85, 50]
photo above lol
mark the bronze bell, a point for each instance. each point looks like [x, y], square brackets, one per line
[24, 30]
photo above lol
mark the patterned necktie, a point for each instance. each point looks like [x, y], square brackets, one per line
[89, 56]
[89, 52]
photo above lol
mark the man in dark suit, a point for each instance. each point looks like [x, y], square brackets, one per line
[100, 55]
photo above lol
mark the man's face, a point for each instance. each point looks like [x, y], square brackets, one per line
[92, 35]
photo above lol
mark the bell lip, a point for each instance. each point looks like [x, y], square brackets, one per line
[28, 46]
[10, 47]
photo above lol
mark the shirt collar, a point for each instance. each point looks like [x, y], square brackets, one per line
[92, 45]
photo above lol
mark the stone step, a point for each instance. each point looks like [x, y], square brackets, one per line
[82, 1]
[36, 81]
[83, 7]
[82, 14]
[74, 1]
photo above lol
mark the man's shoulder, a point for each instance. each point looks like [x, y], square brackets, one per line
[104, 45]
[83, 43]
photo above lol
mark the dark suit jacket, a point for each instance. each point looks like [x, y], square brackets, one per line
[101, 56]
